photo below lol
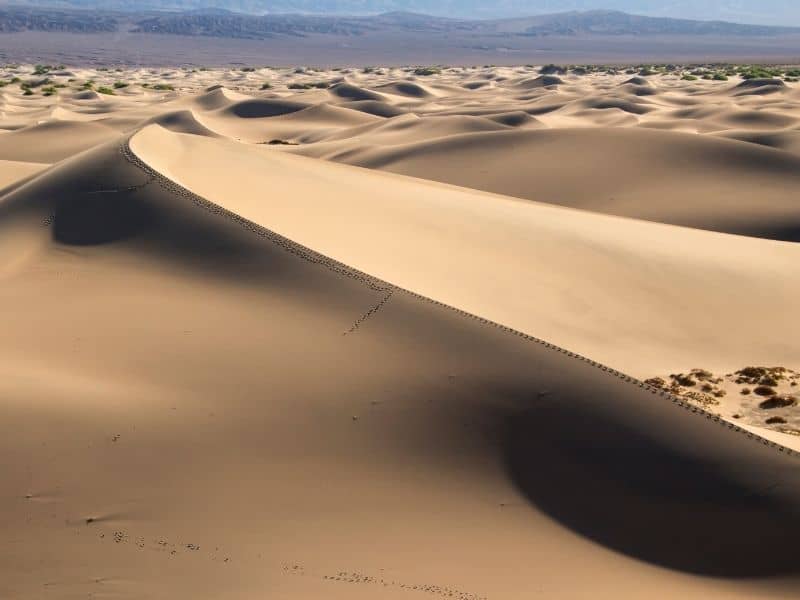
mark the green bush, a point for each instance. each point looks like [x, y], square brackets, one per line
[426, 71]
[105, 90]
[163, 86]
[118, 85]
[266, 86]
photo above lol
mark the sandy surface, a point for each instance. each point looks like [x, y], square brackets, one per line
[235, 368]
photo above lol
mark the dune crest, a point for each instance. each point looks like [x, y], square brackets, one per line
[233, 366]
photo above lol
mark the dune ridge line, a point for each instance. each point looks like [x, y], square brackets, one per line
[377, 284]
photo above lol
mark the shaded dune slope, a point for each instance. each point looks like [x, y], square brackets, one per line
[421, 421]
[655, 175]
[53, 141]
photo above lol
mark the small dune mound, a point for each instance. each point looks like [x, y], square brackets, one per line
[374, 107]
[405, 88]
[759, 87]
[86, 95]
[53, 141]
[476, 85]
[215, 97]
[543, 81]
[618, 103]
[637, 89]
[513, 119]
[756, 119]
[263, 107]
[780, 140]
[347, 91]
[750, 84]
[637, 81]
[182, 121]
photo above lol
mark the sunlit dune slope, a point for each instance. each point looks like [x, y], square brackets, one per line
[640, 296]
[196, 407]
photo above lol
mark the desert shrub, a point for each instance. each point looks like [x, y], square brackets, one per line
[684, 380]
[163, 86]
[646, 72]
[88, 85]
[775, 420]
[105, 90]
[720, 77]
[27, 92]
[745, 391]
[689, 77]
[41, 69]
[15, 80]
[552, 69]
[118, 85]
[248, 69]
[764, 390]
[368, 70]
[656, 382]
[299, 86]
[266, 86]
[783, 401]
[426, 71]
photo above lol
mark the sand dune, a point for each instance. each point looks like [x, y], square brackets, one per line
[52, 141]
[234, 367]
[656, 175]
[385, 453]
[446, 243]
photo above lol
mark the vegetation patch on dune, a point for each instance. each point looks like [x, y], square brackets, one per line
[757, 395]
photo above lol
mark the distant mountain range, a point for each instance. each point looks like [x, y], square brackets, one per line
[225, 24]
[764, 12]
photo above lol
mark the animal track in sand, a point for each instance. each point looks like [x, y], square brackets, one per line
[295, 569]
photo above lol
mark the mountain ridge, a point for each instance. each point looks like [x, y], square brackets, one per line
[222, 23]
[759, 12]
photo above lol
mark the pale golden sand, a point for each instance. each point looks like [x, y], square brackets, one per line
[231, 369]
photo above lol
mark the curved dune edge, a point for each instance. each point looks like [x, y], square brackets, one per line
[12, 171]
[514, 262]
[217, 444]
